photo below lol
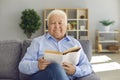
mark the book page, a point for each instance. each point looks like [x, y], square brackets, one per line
[73, 49]
[72, 57]
[53, 52]
[57, 58]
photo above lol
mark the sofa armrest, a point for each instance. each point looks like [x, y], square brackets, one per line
[87, 47]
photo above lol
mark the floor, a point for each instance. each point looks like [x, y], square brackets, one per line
[111, 73]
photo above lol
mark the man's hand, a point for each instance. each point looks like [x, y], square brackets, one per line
[69, 68]
[43, 63]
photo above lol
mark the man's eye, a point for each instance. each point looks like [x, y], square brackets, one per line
[60, 23]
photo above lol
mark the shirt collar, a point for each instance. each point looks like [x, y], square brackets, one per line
[48, 36]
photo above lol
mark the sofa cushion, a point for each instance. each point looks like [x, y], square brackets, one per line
[10, 52]
[91, 76]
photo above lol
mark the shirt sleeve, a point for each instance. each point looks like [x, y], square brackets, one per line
[83, 68]
[29, 63]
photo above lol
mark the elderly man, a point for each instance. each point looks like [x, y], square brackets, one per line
[34, 64]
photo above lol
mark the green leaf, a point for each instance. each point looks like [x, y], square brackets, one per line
[107, 22]
[30, 22]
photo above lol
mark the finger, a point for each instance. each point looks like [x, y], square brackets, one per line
[43, 60]
[66, 64]
[43, 66]
[66, 68]
[46, 63]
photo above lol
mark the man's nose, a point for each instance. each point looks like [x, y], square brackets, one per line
[57, 25]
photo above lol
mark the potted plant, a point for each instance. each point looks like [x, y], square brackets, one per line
[30, 22]
[107, 23]
[73, 24]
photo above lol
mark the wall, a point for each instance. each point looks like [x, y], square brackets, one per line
[10, 12]
[99, 10]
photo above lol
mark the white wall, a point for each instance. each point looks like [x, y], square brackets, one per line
[99, 10]
[10, 13]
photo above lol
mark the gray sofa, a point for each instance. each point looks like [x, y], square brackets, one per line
[12, 51]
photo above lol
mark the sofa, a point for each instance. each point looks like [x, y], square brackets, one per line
[12, 51]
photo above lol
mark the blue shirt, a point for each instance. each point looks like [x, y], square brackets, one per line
[29, 63]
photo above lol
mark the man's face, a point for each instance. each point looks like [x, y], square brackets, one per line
[57, 26]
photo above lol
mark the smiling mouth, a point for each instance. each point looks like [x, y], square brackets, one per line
[56, 31]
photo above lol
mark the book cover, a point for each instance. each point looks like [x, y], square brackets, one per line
[71, 55]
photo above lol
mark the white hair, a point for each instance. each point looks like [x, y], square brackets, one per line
[56, 12]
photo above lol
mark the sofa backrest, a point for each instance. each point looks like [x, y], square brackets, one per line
[10, 52]
[87, 47]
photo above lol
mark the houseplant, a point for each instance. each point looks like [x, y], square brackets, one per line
[30, 22]
[73, 24]
[107, 24]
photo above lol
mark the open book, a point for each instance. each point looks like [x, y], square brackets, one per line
[71, 55]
